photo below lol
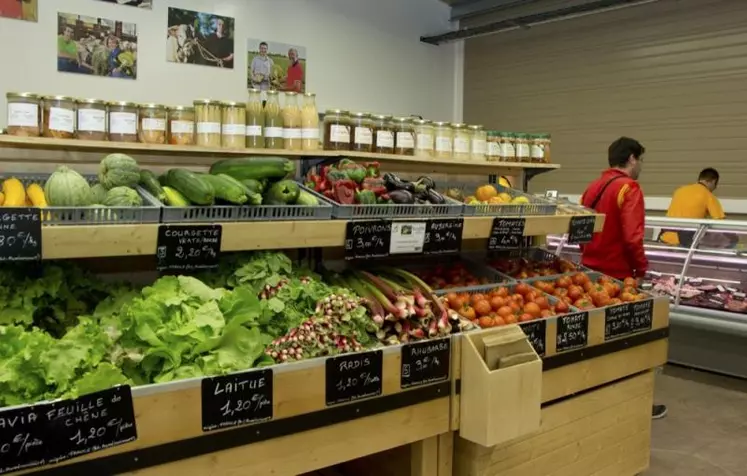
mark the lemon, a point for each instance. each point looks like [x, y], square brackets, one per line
[520, 199]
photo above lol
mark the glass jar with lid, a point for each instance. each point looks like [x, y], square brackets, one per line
[424, 144]
[58, 117]
[24, 114]
[182, 125]
[383, 134]
[494, 146]
[91, 119]
[444, 139]
[508, 151]
[337, 129]
[462, 141]
[153, 119]
[291, 122]
[123, 121]
[273, 121]
[208, 116]
[361, 132]
[309, 123]
[255, 120]
[233, 125]
[478, 144]
[404, 136]
[540, 148]
[521, 144]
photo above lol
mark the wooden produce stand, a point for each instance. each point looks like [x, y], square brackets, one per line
[306, 432]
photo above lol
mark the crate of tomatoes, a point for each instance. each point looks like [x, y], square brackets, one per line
[531, 263]
[590, 290]
[490, 306]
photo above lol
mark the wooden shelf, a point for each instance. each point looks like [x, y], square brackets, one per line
[104, 241]
[150, 150]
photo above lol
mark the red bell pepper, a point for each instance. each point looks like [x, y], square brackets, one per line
[376, 185]
[344, 192]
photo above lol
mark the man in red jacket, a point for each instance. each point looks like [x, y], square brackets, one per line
[618, 250]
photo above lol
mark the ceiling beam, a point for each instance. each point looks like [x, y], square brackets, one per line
[472, 8]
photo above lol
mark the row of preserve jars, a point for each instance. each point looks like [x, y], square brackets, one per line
[207, 123]
[365, 132]
[518, 147]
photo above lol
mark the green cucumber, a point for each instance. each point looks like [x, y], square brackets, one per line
[196, 189]
[253, 185]
[149, 182]
[226, 188]
[242, 168]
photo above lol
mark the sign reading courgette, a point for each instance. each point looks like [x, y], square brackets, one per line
[20, 234]
[188, 247]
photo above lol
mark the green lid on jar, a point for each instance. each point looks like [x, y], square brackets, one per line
[506, 134]
[493, 134]
[521, 135]
[544, 136]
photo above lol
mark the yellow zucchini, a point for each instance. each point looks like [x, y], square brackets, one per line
[15, 194]
[2, 198]
[36, 195]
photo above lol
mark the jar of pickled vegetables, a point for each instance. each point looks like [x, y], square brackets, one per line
[255, 120]
[383, 134]
[233, 125]
[59, 117]
[361, 132]
[123, 121]
[493, 146]
[508, 151]
[444, 139]
[404, 136]
[153, 118]
[182, 125]
[91, 119]
[208, 116]
[521, 144]
[540, 148]
[337, 129]
[291, 122]
[478, 144]
[424, 144]
[309, 123]
[273, 122]
[24, 114]
[462, 141]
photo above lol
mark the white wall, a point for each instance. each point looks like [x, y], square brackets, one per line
[363, 55]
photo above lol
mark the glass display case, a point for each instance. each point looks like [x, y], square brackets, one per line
[701, 265]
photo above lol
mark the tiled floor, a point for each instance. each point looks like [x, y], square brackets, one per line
[705, 433]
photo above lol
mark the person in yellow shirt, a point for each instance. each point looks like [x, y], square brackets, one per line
[695, 201]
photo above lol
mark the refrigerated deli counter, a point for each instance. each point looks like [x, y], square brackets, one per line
[705, 278]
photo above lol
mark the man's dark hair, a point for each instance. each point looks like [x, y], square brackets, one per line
[263, 44]
[708, 174]
[621, 150]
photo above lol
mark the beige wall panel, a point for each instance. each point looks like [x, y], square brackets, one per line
[671, 74]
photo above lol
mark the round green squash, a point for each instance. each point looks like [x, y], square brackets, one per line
[67, 188]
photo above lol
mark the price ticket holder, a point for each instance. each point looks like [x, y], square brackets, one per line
[20, 234]
[506, 233]
[628, 318]
[237, 399]
[383, 238]
[572, 332]
[183, 248]
[581, 229]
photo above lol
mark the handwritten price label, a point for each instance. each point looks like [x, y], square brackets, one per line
[506, 233]
[536, 334]
[24, 439]
[425, 362]
[443, 236]
[368, 239]
[237, 399]
[354, 376]
[20, 234]
[572, 332]
[188, 248]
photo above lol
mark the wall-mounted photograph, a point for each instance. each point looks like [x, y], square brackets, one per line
[273, 65]
[96, 46]
[199, 38]
[131, 3]
[19, 9]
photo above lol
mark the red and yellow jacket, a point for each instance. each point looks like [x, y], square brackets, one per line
[618, 250]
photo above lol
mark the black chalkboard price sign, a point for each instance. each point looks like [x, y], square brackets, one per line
[536, 334]
[642, 315]
[443, 236]
[24, 438]
[20, 234]
[506, 233]
[188, 247]
[352, 377]
[236, 399]
[617, 321]
[92, 422]
[581, 229]
[425, 362]
[572, 332]
[367, 239]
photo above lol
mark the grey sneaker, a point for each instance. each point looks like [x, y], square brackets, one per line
[658, 412]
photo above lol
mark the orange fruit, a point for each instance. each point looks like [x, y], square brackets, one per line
[485, 193]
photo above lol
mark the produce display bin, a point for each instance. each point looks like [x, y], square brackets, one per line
[476, 269]
[149, 212]
[234, 213]
[536, 206]
[451, 208]
[532, 254]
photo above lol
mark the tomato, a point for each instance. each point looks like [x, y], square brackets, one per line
[452, 297]
[588, 286]
[580, 279]
[631, 282]
[532, 309]
[526, 317]
[497, 302]
[639, 297]
[615, 301]
[517, 298]
[476, 298]
[600, 299]
[583, 304]
[457, 304]
[530, 296]
[564, 282]
[575, 292]
[522, 288]
[482, 308]
[542, 302]
[468, 312]
[560, 292]
[510, 319]
[627, 297]
[631, 290]
[515, 306]
[609, 288]
[561, 307]
[498, 321]
[502, 292]
[505, 311]
[486, 321]
[546, 313]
